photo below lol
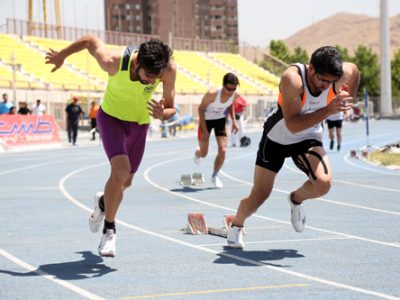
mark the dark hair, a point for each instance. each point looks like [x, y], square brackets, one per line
[230, 78]
[154, 56]
[327, 60]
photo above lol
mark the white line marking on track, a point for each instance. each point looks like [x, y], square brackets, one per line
[351, 183]
[63, 283]
[284, 241]
[228, 255]
[347, 160]
[28, 167]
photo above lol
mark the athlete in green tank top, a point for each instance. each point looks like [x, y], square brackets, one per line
[124, 115]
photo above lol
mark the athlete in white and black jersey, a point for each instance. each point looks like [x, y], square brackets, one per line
[308, 95]
[213, 110]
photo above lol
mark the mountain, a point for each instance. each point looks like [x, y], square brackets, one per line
[348, 31]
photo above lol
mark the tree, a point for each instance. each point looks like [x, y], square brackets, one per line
[344, 52]
[395, 66]
[300, 55]
[280, 50]
[367, 63]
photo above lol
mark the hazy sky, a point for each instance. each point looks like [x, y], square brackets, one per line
[259, 20]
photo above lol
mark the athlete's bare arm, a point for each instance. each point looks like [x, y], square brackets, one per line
[205, 101]
[292, 89]
[107, 59]
[168, 80]
[350, 78]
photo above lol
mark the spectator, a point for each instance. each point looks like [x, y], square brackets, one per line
[74, 113]
[39, 109]
[23, 109]
[239, 105]
[5, 105]
[12, 111]
[94, 108]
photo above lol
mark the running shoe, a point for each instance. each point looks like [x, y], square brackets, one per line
[298, 216]
[107, 244]
[197, 159]
[217, 182]
[97, 217]
[235, 237]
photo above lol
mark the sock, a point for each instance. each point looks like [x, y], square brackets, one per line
[109, 225]
[214, 174]
[101, 203]
[291, 199]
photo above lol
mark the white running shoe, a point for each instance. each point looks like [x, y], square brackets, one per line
[235, 237]
[97, 217]
[217, 182]
[298, 216]
[107, 244]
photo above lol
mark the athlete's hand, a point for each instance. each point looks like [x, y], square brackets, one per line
[156, 108]
[55, 58]
[341, 102]
[235, 128]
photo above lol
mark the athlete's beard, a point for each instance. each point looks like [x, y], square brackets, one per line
[142, 81]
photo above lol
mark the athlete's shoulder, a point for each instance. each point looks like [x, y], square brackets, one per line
[292, 78]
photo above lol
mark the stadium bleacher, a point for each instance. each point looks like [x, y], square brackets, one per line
[197, 70]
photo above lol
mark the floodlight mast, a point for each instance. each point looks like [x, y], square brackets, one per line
[386, 82]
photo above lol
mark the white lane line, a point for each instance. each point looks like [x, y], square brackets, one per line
[340, 203]
[63, 283]
[283, 241]
[255, 215]
[204, 249]
[347, 160]
[350, 182]
[28, 167]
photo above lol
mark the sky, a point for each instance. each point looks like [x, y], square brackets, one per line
[259, 20]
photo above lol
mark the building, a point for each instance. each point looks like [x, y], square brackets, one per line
[192, 19]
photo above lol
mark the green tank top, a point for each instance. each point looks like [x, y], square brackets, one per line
[126, 99]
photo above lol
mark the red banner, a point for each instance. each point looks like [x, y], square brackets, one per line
[28, 130]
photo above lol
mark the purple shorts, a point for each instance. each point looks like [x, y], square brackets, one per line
[122, 138]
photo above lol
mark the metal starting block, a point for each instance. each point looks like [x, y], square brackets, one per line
[197, 179]
[192, 179]
[197, 225]
[186, 180]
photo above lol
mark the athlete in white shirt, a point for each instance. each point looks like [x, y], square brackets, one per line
[213, 110]
[308, 95]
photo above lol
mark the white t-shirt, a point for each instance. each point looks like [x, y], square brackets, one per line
[38, 110]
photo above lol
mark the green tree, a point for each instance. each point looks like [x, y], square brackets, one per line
[395, 66]
[280, 50]
[344, 52]
[367, 63]
[300, 55]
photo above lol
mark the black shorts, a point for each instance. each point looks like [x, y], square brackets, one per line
[271, 155]
[219, 126]
[337, 124]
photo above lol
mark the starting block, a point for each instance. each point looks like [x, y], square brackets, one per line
[192, 179]
[197, 225]
[197, 179]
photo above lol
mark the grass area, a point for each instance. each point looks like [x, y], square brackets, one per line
[385, 158]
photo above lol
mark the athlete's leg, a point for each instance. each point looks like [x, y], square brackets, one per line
[204, 138]
[222, 142]
[240, 132]
[263, 183]
[116, 183]
[316, 163]
[331, 137]
[339, 135]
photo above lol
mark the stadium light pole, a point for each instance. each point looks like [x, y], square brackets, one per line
[386, 82]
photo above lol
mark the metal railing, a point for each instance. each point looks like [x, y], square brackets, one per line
[23, 27]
